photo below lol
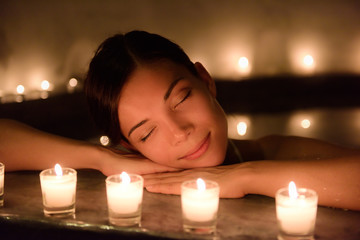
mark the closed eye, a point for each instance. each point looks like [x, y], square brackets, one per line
[147, 136]
[185, 97]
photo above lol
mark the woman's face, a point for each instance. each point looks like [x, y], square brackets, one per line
[171, 116]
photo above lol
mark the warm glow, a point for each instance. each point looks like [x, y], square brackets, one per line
[308, 61]
[104, 140]
[244, 66]
[243, 63]
[241, 128]
[45, 85]
[58, 170]
[20, 89]
[305, 123]
[293, 194]
[125, 178]
[200, 184]
[73, 82]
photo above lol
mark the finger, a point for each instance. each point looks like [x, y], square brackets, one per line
[153, 168]
[197, 172]
[163, 175]
[168, 188]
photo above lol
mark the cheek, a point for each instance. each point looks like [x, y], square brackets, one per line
[156, 151]
[212, 113]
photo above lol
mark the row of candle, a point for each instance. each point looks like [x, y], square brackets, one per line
[295, 208]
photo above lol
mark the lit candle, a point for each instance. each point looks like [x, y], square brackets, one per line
[2, 172]
[58, 188]
[296, 211]
[124, 198]
[199, 201]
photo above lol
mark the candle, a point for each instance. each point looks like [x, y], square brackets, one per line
[124, 198]
[58, 188]
[199, 201]
[296, 211]
[2, 172]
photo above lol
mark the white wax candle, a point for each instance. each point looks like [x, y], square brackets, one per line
[200, 205]
[124, 197]
[58, 191]
[296, 215]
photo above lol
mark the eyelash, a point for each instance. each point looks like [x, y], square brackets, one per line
[186, 97]
[149, 134]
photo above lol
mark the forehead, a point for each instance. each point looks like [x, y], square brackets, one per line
[145, 89]
[150, 78]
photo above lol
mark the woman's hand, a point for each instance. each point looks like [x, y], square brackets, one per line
[114, 162]
[231, 179]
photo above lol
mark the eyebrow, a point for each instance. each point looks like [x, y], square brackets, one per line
[166, 96]
[137, 125]
[171, 87]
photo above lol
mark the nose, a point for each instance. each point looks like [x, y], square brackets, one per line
[179, 129]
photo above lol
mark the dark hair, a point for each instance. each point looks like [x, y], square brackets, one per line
[115, 59]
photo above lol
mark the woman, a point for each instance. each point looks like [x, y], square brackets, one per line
[147, 96]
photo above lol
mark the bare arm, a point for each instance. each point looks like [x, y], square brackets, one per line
[337, 180]
[332, 171]
[25, 148]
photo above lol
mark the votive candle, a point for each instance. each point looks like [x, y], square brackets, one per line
[199, 201]
[58, 186]
[296, 212]
[124, 198]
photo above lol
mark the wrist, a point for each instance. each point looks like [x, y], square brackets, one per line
[246, 177]
[89, 156]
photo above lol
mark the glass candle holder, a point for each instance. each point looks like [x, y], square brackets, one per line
[296, 216]
[124, 198]
[58, 192]
[2, 173]
[199, 202]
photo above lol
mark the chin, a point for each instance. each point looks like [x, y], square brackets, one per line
[211, 160]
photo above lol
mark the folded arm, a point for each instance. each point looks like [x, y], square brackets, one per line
[332, 171]
[25, 148]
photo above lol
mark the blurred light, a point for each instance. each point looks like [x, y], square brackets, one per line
[244, 66]
[20, 89]
[104, 140]
[73, 82]
[19, 98]
[45, 85]
[71, 86]
[238, 126]
[241, 128]
[305, 123]
[243, 63]
[308, 61]
[44, 95]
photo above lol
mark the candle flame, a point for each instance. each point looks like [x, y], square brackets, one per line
[200, 184]
[58, 170]
[20, 89]
[293, 194]
[45, 85]
[125, 178]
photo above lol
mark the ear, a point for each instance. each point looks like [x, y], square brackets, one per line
[206, 78]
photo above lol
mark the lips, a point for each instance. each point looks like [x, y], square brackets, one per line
[198, 150]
